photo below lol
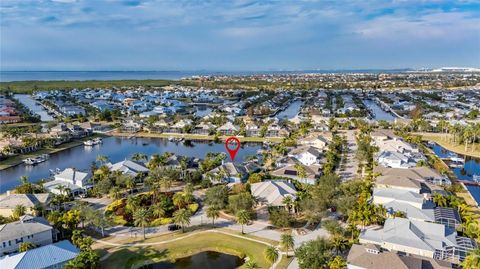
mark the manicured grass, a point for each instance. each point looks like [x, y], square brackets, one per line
[130, 256]
[199, 137]
[439, 139]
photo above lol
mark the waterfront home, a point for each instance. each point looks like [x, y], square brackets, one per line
[91, 127]
[373, 257]
[306, 155]
[275, 130]
[158, 126]
[51, 256]
[252, 130]
[399, 182]
[227, 173]
[422, 174]
[76, 182]
[421, 238]
[128, 167]
[30, 201]
[31, 229]
[9, 119]
[179, 127]
[312, 172]
[228, 129]
[204, 128]
[131, 126]
[273, 192]
[316, 141]
[395, 159]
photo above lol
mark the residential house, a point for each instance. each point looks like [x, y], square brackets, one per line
[316, 141]
[51, 256]
[252, 130]
[28, 229]
[275, 130]
[227, 173]
[273, 192]
[204, 128]
[373, 257]
[420, 238]
[306, 155]
[228, 129]
[131, 126]
[290, 170]
[128, 167]
[75, 181]
[9, 201]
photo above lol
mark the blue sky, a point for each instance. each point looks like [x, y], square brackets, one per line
[237, 35]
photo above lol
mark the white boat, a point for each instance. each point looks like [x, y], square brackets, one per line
[476, 178]
[30, 161]
[88, 143]
[97, 140]
[457, 159]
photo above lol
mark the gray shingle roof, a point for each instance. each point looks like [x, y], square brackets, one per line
[19, 229]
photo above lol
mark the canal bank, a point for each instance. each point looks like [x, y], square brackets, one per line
[196, 137]
[116, 149]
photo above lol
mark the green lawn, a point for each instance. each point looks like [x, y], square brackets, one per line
[134, 256]
[440, 139]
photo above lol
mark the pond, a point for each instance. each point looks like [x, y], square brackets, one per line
[466, 171]
[291, 111]
[378, 112]
[204, 260]
[116, 149]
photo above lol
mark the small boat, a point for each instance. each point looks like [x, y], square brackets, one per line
[97, 140]
[88, 143]
[145, 144]
[457, 159]
[476, 178]
[30, 161]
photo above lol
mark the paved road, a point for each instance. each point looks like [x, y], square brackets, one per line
[351, 166]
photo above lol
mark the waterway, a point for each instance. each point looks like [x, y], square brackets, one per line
[291, 111]
[31, 104]
[116, 149]
[471, 167]
[206, 260]
[380, 113]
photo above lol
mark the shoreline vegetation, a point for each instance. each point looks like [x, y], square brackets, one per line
[18, 159]
[457, 148]
[30, 86]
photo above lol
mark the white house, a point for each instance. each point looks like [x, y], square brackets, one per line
[76, 181]
[128, 167]
[306, 155]
[28, 229]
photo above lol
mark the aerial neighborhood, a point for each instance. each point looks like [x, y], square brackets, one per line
[358, 170]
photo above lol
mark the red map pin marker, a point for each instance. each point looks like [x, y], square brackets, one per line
[232, 152]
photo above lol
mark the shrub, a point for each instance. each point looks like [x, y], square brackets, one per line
[114, 206]
[280, 217]
[118, 220]
[193, 207]
[161, 221]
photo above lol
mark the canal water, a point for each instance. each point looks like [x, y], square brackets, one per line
[31, 104]
[291, 111]
[116, 149]
[465, 172]
[380, 113]
[206, 260]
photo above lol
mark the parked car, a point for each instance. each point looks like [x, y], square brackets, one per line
[173, 227]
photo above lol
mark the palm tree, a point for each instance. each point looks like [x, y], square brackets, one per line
[251, 264]
[158, 210]
[26, 246]
[301, 173]
[339, 244]
[102, 159]
[440, 200]
[24, 179]
[287, 241]
[472, 261]
[243, 218]
[271, 254]
[130, 184]
[288, 202]
[140, 218]
[19, 211]
[115, 192]
[139, 157]
[181, 217]
[213, 213]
